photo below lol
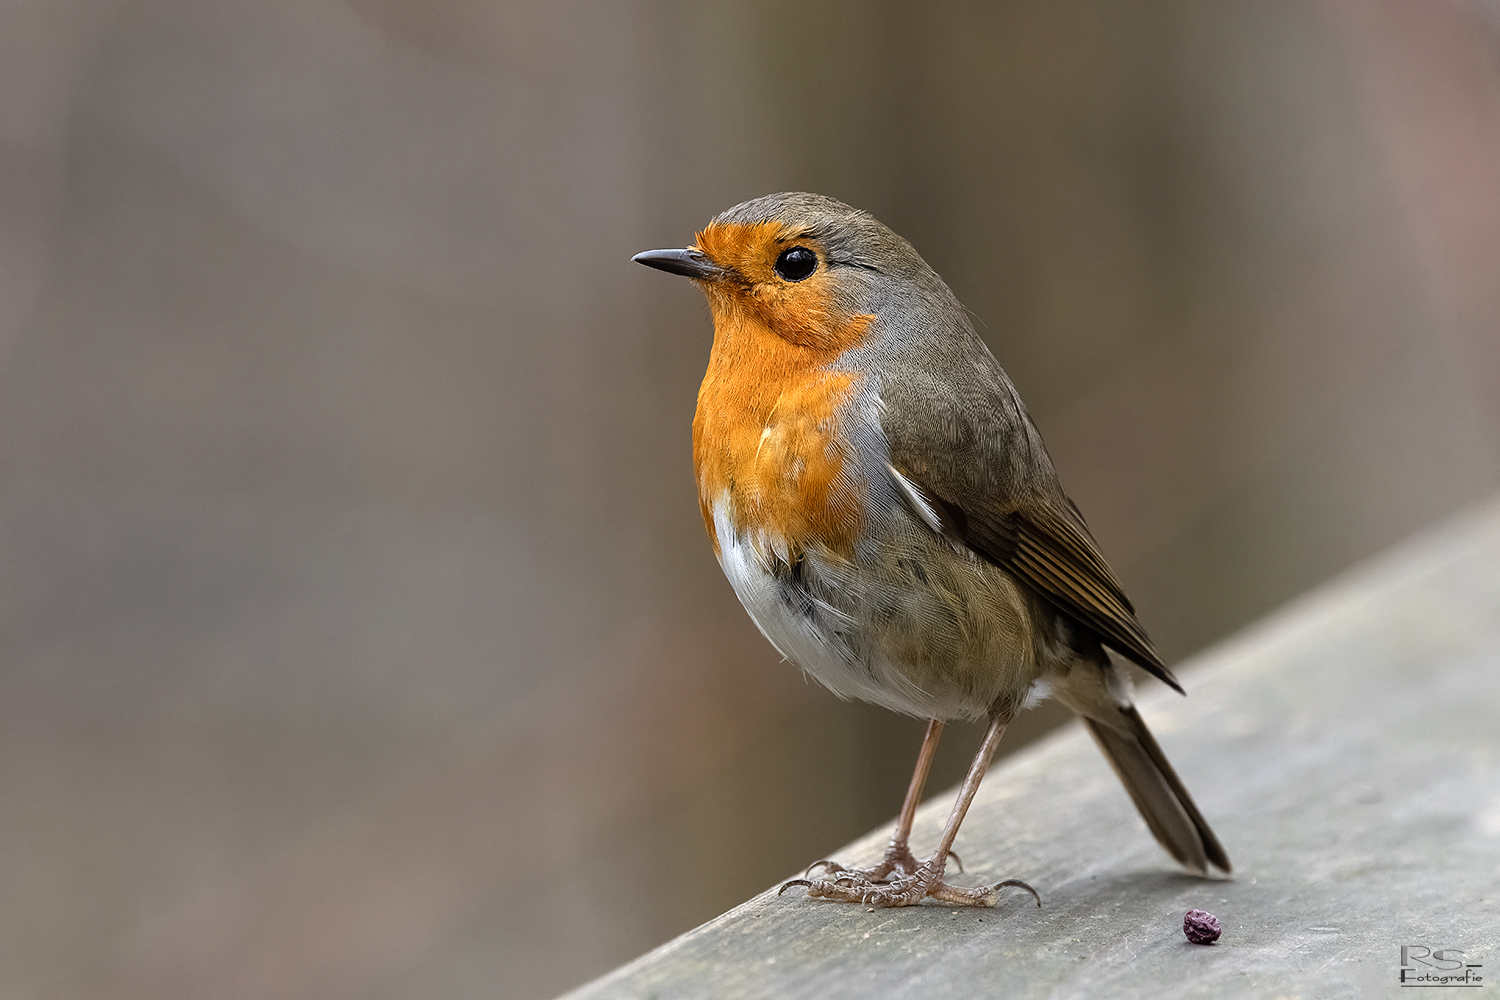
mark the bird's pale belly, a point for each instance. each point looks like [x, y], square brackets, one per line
[908, 624]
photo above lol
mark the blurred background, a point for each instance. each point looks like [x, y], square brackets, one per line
[358, 633]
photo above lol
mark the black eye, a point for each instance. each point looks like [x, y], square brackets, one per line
[796, 263]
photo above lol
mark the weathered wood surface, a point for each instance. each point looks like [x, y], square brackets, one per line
[1347, 750]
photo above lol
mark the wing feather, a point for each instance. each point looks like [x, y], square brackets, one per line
[1057, 556]
[976, 460]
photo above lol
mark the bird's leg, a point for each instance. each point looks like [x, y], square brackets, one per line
[898, 856]
[927, 880]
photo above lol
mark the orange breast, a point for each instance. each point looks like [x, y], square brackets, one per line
[766, 434]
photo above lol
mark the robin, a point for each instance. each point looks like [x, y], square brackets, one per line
[884, 508]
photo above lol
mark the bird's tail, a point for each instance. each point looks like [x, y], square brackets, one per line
[1102, 698]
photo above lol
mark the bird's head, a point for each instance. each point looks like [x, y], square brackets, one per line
[812, 269]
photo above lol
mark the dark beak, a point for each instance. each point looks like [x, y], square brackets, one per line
[691, 263]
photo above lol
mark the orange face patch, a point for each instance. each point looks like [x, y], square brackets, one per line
[766, 432]
[803, 312]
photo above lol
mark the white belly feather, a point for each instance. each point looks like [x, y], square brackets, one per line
[836, 643]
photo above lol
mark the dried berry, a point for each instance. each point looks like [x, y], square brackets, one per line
[1201, 927]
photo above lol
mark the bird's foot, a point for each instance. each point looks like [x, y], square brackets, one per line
[898, 859]
[911, 887]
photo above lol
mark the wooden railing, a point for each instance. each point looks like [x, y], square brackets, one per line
[1346, 749]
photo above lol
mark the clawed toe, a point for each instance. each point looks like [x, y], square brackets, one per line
[1017, 883]
[855, 887]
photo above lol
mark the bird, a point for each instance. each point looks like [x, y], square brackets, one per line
[886, 511]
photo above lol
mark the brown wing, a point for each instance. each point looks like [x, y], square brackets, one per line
[1056, 554]
[980, 461]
